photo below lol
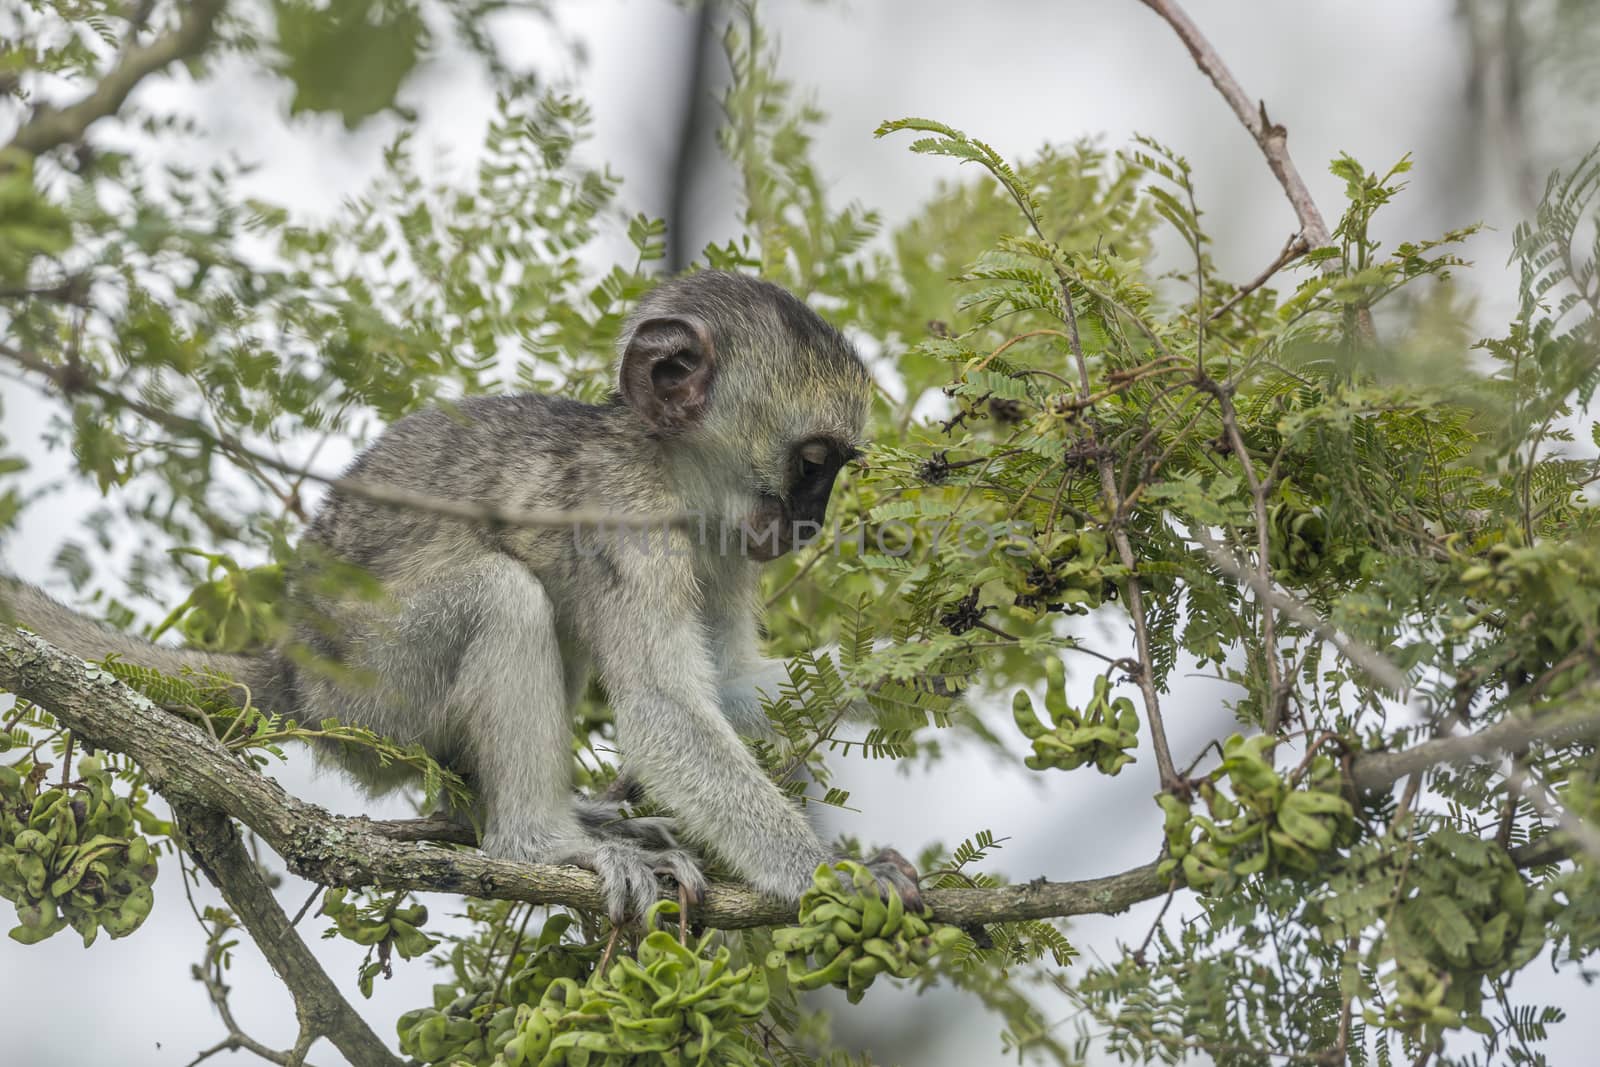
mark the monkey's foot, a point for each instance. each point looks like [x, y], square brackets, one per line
[628, 874]
[895, 874]
[606, 817]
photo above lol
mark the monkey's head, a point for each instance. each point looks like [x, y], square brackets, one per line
[759, 401]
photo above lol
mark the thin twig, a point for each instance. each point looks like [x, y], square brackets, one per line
[1271, 137]
[209, 974]
[51, 128]
[611, 947]
[376, 492]
[316, 891]
[511, 957]
[1293, 249]
[1145, 677]
[1277, 694]
[1354, 649]
[1149, 936]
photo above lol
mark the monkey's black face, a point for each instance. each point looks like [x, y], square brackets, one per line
[794, 519]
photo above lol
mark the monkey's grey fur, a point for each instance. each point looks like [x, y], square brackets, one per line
[485, 636]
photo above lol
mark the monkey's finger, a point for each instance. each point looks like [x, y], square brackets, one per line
[645, 890]
[607, 819]
[682, 868]
[896, 873]
[616, 894]
[621, 873]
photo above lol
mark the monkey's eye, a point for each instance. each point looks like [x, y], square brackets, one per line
[812, 458]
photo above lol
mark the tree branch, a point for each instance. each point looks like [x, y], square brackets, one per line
[50, 128]
[1277, 691]
[1270, 137]
[209, 973]
[1166, 771]
[322, 1010]
[195, 772]
[1380, 770]
[1356, 651]
[1293, 249]
[1523, 780]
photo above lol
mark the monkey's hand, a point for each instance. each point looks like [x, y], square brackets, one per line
[895, 874]
[628, 874]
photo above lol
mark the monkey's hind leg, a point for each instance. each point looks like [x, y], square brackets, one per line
[508, 698]
[606, 815]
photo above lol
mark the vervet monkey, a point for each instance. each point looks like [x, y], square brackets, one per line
[736, 405]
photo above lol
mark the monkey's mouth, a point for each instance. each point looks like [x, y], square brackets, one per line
[765, 539]
[764, 543]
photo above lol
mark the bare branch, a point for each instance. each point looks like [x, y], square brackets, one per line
[71, 381]
[1356, 651]
[1277, 692]
[209, 974]
[1293, 249]
[1521, 779]
[212, 838]
[195, 772]
[1378, 771]
[50, 128]
[1270, 137]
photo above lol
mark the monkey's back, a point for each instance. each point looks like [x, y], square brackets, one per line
[512, 453]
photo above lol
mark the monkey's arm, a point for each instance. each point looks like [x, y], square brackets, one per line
[650, 644]
[743, 674]
[745, 677]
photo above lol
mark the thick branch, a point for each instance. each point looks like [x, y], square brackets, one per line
[214, 841]
[50, 128]
[193, 771]
[1378, 771]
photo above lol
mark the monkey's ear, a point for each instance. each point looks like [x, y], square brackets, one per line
[667, 372]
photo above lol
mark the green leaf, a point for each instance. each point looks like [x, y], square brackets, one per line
[347, 57]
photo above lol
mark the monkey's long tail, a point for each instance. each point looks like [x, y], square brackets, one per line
[74, 632]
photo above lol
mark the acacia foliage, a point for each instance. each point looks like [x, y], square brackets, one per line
[1068, 428]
